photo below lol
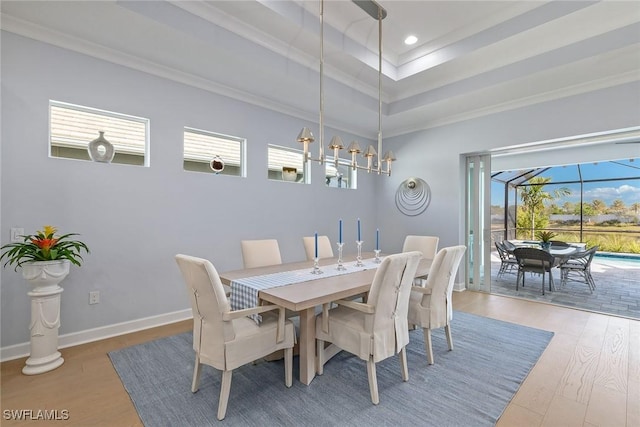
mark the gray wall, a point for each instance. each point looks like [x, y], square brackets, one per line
[135, 219]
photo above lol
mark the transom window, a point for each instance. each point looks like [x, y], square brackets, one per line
[73, 127]
[341, 177]
[286, 164]
[211, 152]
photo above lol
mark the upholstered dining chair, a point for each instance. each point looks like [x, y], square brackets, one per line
[428, 245]
[577, 268]
[260, 253]
[324, 247]
[430, 306]
[375, 330]
[226, 339]
[534, 260]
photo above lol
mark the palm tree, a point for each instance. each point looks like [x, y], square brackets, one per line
[534, 196]
[598, 206]
[618, 206]
[568, 207]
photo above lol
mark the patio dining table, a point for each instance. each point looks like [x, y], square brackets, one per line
[560, 254]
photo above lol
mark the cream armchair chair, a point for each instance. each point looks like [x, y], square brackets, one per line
[428, 245]
[260, 253]
[324, 247]
[226, 339]
[378, 329]
[430, 306]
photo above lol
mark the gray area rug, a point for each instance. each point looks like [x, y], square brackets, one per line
[469, 386]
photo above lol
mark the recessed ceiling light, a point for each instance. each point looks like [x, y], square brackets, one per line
[410, 40]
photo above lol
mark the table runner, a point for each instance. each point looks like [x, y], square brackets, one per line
[244, 292]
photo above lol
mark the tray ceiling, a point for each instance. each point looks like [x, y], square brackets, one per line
[472, 57]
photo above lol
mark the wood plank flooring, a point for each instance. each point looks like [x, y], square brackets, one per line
[588, 376]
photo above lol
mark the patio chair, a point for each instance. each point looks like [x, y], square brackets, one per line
[577, 268]
[535, 261]
[508, 262]
[508, 246]
[559, 244]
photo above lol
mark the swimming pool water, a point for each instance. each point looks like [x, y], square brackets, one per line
[616, 258]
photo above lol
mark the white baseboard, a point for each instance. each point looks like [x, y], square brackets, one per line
[76, 338]
[459, 287]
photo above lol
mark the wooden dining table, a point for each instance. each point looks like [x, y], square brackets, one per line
[304, 297]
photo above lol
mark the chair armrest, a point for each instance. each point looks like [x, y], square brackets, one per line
[420, 289]
[236, 314]
[257, 310]
[365, 308]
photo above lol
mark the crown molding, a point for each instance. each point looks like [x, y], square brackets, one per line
[65, 41]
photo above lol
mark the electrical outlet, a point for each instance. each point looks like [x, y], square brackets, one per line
[16, 234]
[94, 297]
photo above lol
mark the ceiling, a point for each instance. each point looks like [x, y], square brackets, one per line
[472, 58]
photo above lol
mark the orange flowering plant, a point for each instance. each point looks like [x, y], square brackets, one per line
[43, 246]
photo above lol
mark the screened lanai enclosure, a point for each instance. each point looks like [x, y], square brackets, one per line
[596, 203]
[586, 204]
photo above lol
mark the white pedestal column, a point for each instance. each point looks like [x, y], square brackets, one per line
[45, 321]
[45, 314]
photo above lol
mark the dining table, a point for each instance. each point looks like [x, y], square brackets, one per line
[311, 291]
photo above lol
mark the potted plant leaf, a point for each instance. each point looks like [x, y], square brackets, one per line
[545, 238]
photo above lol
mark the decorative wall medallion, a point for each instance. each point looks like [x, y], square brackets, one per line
[413, 196]
[101, 150]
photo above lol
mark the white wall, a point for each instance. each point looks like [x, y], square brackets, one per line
[437, 155]
[135, 219]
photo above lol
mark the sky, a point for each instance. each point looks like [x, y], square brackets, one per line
[627, 190]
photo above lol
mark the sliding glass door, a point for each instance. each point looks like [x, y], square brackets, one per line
[478, 222]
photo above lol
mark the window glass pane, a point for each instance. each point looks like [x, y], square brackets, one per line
[286, 164]
[202, 147]
[341, 177]
[73, 127]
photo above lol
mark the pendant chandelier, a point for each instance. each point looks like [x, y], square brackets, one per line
[306, 137]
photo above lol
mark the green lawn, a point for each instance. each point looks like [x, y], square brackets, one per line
[624, 238]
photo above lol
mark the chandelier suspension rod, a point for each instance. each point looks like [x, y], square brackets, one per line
[379, 88]
[321, 121]
[306, 136]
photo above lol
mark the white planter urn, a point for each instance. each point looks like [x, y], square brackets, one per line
[45, 314]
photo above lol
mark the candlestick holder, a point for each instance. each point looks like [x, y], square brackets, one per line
[359, 257]
[316, 267]
[377, 259]
[340, 266]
